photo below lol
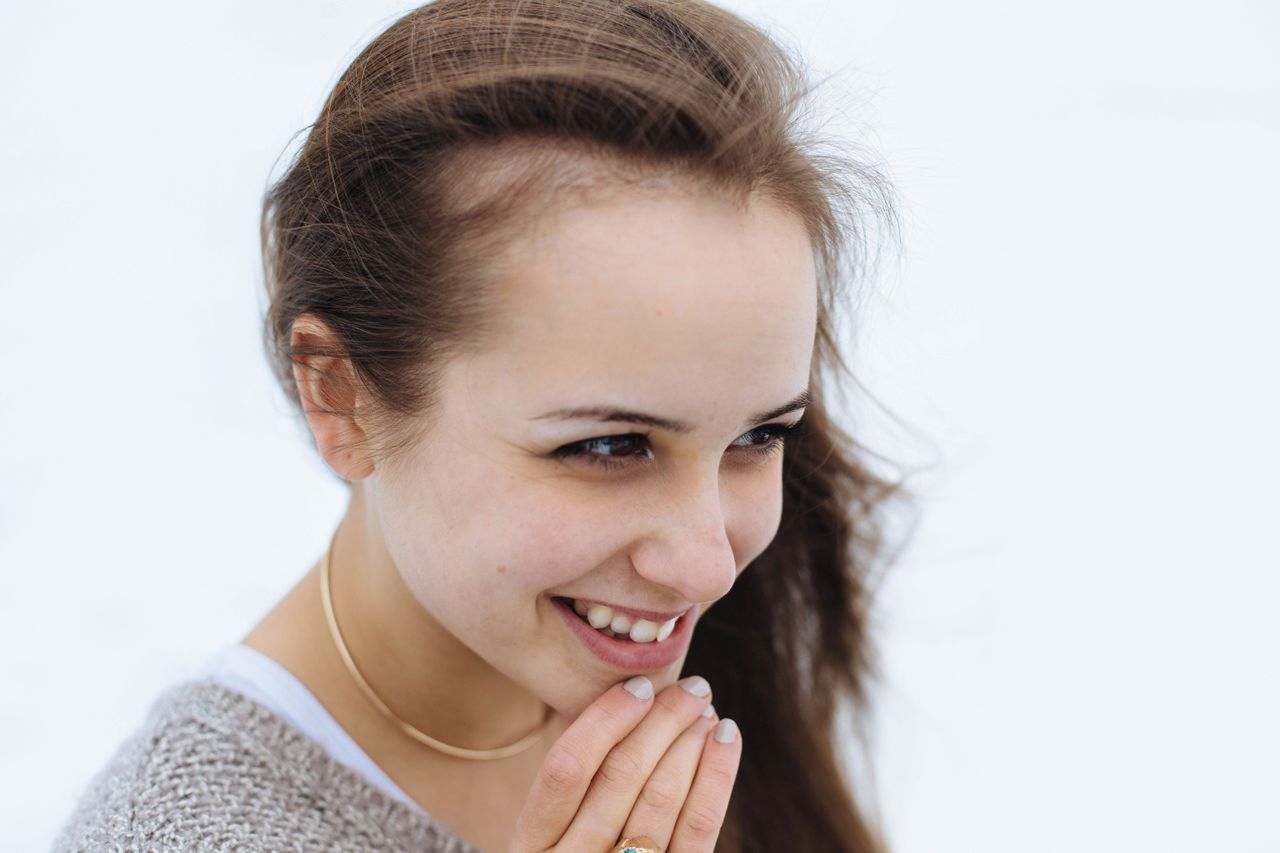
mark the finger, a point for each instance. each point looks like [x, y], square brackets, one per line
[703, 814]
[573, 760]
[626, 768]
[664, 794]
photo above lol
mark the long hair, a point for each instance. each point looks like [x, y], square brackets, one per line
[455, 128]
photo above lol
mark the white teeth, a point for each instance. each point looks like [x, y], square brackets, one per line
[599, 616]
[644, 631]
[602, 618]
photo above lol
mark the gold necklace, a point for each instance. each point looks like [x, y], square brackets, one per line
[418, 735]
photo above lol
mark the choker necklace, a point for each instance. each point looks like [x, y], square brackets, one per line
[418, 735]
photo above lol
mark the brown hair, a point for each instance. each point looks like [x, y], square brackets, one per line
[459, 126]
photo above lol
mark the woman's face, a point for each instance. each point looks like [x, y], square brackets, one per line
[679, 308]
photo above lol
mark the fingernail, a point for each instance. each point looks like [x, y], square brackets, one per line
[726, 731]
[639, 687]
[709, 711]
[696, 684]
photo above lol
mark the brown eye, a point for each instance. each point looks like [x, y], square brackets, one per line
[579, 449]
[776, 437]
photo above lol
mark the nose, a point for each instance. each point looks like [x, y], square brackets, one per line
[687, 547]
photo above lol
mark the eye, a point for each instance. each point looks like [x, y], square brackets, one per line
[613, 443]
[771, 439]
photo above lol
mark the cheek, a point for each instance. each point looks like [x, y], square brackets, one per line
[495, 536]
[556, 535]
[754, 517]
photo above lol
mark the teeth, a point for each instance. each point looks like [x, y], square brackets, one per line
[599, 616]
[603, 619]
[644, 631]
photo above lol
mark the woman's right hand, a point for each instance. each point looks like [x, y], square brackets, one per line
[631, 766]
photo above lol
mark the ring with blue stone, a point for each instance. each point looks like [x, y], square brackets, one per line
[638, 844]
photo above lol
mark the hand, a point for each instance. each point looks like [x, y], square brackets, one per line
[629, 766]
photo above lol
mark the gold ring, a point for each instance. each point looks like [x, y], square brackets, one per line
[638, 844]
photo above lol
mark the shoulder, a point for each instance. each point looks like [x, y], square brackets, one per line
[210, 768]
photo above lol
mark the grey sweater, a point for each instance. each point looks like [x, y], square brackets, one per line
[211, 769]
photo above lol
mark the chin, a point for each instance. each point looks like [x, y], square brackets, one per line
[570, 700]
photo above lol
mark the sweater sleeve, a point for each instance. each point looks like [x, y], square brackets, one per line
[212, 770]
[103, 815]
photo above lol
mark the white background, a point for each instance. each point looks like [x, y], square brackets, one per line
[1080, 644]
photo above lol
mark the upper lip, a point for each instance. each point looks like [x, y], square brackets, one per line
[634, 613]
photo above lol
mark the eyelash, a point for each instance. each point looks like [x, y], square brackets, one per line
[779, 435]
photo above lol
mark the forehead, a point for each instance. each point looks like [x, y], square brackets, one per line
[632, 294]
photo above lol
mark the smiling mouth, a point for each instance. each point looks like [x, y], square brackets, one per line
[620, 651]
[603, 620]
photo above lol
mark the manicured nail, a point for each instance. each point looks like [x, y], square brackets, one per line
[726, 730]
[696, 684]
[709, 711]
[639, 687]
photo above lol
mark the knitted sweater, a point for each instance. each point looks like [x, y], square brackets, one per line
[211, 769]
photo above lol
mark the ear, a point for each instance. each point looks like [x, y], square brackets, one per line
[330, 397]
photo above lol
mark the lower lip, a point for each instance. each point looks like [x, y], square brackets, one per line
[628, 654]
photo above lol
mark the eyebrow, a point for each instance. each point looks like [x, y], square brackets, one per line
[608, 415]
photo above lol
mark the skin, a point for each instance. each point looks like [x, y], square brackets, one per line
[673, 304]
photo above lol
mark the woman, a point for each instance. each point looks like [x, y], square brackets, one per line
[554, 286]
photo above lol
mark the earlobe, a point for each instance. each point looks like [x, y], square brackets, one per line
[326, 390]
